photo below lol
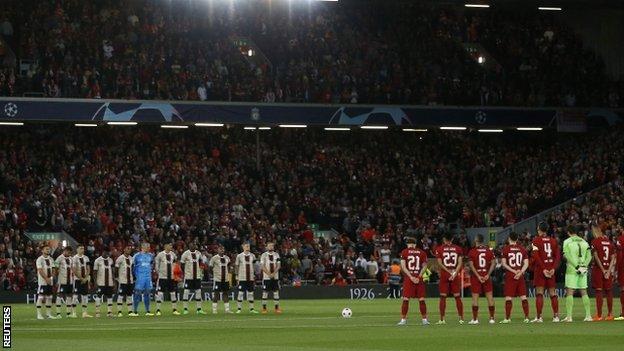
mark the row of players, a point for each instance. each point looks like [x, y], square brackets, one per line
[132, 275]
[515, 261]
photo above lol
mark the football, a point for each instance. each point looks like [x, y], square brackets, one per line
[346, 312]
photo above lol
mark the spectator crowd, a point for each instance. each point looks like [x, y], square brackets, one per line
[348, 52]
[110, 187]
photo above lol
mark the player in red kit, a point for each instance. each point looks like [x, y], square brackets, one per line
[619, 244]
[602, 272]
[482, 262]
[449, 258]
[546, 256]
[413, 264]
[515, 263]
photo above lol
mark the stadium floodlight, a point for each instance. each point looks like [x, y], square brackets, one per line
[374, 127]
[173, 126]
[122, 123]
[265, 128]
[545, 8]
[530, 128]
[249, 128]
[480, 6]
[490, 130]
[337, 128]
[208, 124]
[85, 125]
[11, 123]
[453, 128]
[414, 130]
[293, 126]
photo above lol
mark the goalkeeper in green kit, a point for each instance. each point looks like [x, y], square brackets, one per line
[578, 255]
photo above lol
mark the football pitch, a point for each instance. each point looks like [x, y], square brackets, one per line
[315, 325]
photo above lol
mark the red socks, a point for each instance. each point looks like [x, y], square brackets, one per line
[491, 308]
[460, 307]
[525, 308]
[539, 304]
[610, 302]
[554, 302]
[442, 307]
[598, 303]
[404, 309]
[508, 305]
[475, 312]
[423, 309]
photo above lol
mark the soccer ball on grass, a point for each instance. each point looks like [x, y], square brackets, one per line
[346, 313]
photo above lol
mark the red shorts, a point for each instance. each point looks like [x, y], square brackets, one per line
[599, 281]
[477, 287]
[449, 286]
[411, 290]
[540, 280]
[514, 288]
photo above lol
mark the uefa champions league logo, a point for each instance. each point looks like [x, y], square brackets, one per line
[480, 117]
[10, 110]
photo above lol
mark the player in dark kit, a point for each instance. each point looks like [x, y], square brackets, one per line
[546, 259]
[602, 272]
[450, 262]
[515, 262]
[482, 263]
[413, 264]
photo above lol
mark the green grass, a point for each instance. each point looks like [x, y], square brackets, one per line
[313, 325]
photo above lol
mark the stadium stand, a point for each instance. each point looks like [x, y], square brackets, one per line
[112, 187]
[375, 52]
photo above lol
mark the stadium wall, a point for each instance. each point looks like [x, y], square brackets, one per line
[180, 112]
[351, 292]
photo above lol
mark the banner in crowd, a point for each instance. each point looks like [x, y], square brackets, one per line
[84, 110]
[350, 292]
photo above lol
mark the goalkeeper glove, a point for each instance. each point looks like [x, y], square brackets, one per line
[581, 270]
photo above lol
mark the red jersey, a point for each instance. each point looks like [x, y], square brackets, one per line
[415, 259]
[449, 254]
[481, 258]
[546, 253]
[515, 255]
[603, 247]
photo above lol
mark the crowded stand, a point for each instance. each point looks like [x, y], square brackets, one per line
[110, 187]
[381, 53]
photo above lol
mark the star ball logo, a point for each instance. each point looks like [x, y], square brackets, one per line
[6, 327]
[10, 110]
[480, 117]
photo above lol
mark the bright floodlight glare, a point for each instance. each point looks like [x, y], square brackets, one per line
[122, 123]
[453, 128]
[337, 128]
[265, 128]
[482, 6]
[414, 130]
[85, 125]
[544, 8]
[530, 128]
[11, 123]
[490, 130]
[173, 126]
[249, 128]
[208, 124]
[481, 59]
[374, 127]
[293, 126]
